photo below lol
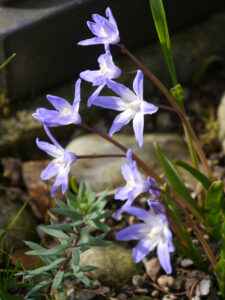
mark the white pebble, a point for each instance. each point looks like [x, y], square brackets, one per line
[186, 262]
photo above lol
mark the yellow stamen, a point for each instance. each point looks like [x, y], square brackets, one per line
[66, 111]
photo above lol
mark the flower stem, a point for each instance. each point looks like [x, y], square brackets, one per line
[100, 156]
[193, 225]
[148, 170]
[173, 102]
[68, 257]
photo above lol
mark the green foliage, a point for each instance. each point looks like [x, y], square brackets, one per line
[177, 183]
[220, 267]
[84, 211]
[7, 277]
[184, 243]
[159, 18]
[213, 209]
[14, 220]
[195, 173]
[7, 61]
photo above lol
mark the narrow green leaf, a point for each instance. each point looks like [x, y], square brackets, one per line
[75, 256]
[105, 215]
[71, 199]
[54, 232]
[220, 267]
[177, 183]
[14, 219]
[60, 203]
[99, 225]
[73, 185]
[159, 18]
[7, 61]
[52, 266]
[33, 245]
[64, 226]
[195, 173]
[213, 209]
[37, 287]
[88, 268]
[47, 252]
[57, 281]
[184, 242]
[80, 275]
[66, 212]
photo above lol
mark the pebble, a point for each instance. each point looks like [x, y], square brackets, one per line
[137, 281]
[165, 281]
[186, 262]
[155, 293]
[152, 267]
[203, 288]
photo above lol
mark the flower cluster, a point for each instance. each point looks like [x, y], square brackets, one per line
[154, 232]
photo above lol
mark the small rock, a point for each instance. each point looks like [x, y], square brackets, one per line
[23, 229]
[106, 173]
[186, 262]
[152, 267]
[155, 293]
[166, 281]
[137, 281]
[204, 287]
[221, 120]
[140, 298]
[114, 264]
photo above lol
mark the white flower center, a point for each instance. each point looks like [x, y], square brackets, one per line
[103, 69]
[134, 105]
[58, 161]
[131, 184]
[155, 231]
[103, 33]
[66, 111]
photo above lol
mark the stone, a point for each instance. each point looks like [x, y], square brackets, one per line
[166, 281]
[114, 264]
[186, 262]
[45, 33]
[137, 281]
[221, 120]
[204, 287]
[152, 267]
[140, 298]
[106, 173]
[23, 229]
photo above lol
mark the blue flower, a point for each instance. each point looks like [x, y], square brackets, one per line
[105, 30]
[59, 166]
[64, 113]
[130, 103]
[153, 233]
[107, 70]
[135, 184]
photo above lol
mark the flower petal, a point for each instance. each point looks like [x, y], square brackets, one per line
[50, 171]
[124, 207]
[49, 148]
[142, 249]
[122, 193]
[156, 207]
[139, 213]
[138, 126]
[110, 102]
[133, 232]
[148, 108]
[94, 95]
[164, 257]
[138, 84]
[53, 139]
[126, 94]
[58, 103]
[92, 41]
[89, 75]
[109, 15]
[121, 120]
